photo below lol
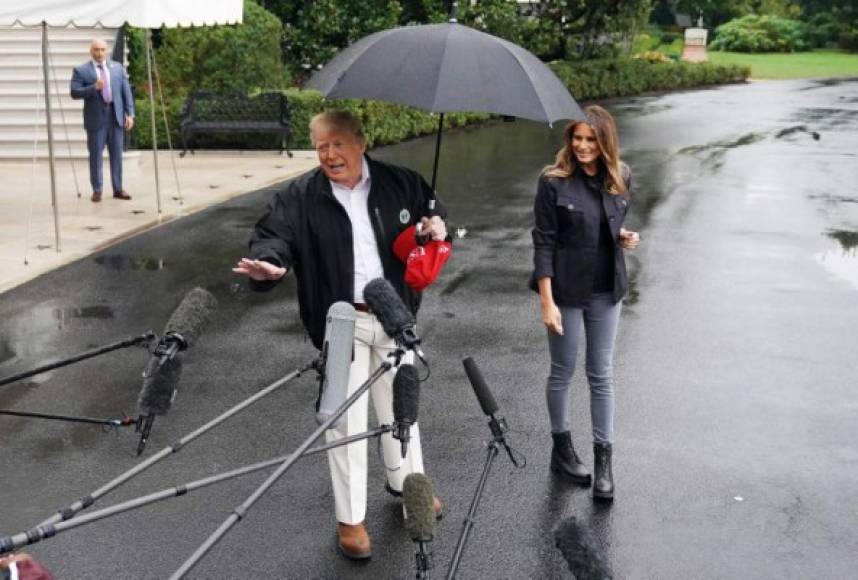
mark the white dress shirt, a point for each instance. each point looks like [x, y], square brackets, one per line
[356, 203]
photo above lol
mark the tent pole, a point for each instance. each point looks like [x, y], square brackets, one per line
[437, 150]
[152, 118]
[50, 136]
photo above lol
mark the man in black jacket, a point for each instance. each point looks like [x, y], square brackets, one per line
[335, 227]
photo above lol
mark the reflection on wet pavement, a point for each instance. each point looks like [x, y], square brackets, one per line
[848, 239]
[121, 262]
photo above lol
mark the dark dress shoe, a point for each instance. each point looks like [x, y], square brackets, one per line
[96, 196]
[565, 462]
[121, 194]
[437, 506]
[354, 541]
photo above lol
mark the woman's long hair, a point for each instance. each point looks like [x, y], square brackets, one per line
[605, 129]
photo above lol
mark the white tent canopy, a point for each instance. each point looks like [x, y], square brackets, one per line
[115, 13]
[146, 14]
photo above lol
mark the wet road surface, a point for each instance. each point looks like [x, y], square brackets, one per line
[735, 368]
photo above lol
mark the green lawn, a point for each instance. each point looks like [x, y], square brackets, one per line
[819, 63]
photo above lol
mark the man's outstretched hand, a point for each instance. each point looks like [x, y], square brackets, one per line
[259, 270]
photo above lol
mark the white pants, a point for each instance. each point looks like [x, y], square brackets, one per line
[349, 463]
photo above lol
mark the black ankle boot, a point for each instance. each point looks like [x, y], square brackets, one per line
[603, 481]
[564, 460]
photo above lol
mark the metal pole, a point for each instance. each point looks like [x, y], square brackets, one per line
[152, 119]
[131, 341]
[40, 533]
[239, 512]
[50, 136]
[469, 519]
[69, 512]
[437, 151]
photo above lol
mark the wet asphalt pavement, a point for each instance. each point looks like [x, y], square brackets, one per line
[737, 380]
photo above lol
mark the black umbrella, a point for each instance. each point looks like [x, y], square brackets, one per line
[444, 68]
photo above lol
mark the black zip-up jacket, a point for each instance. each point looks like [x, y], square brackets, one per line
[307, 231]
[566, 237]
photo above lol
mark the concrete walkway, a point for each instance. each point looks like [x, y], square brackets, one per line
[27, 237]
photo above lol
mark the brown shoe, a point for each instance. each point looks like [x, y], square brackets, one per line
[354, 541]
[96, 196]
[121, 194]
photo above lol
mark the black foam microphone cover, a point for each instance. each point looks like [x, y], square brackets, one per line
[388, 307]
[406, 394]
[156, 396]
[191, 315]
[481, 389]
[586, 561]
[419, 498]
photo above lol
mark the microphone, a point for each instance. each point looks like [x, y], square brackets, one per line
[396, 320]
[157, 396]
[183, 327]
[418, 498]
[162, 373]
[335, 361]
[586, 561]
[497, 424]
[406, 400]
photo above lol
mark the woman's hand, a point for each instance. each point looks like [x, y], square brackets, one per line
[629, 240]
[259, 270]
[551, 318]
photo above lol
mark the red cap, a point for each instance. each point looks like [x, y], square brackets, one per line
[423, 264]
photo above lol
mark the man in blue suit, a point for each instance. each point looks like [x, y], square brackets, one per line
[108, 109]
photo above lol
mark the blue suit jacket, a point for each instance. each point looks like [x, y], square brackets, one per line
[83, 87]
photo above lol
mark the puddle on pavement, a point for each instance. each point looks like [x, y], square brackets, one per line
[122, 262]
[714, 152]
[842, 260]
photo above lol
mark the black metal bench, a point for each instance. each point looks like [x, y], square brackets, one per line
[211, 112]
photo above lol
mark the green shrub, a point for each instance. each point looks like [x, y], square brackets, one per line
[387, 123]
[754, 33]
[848, 40]
[600, 79]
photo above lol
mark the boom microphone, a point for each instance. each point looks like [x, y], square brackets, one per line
[162, 373]
[406, 401]
[487, 401]
[581, 552]
[418, 498]
[396, 320]
[184, 326]
[335, 361]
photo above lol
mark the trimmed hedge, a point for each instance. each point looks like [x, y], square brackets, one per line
[602, 79]
[386, 123]
[755, 33]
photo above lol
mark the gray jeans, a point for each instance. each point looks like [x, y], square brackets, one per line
[600, 320]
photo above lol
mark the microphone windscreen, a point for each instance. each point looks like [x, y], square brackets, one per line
[156, 396]
[419, 498]
[586, 561]
[406, 394]
[387, 306]
[191, 315]
[339, 348]
[481, 389]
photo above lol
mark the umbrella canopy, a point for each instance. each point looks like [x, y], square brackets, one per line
[444, 68]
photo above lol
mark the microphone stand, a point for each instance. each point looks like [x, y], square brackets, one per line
[86, 501]
[41, 532]
[145, 338]
[239, 512]
[498, 427]
[126, 421]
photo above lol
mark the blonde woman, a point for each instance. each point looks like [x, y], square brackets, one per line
[580, 273]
